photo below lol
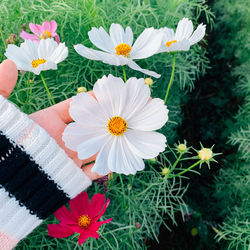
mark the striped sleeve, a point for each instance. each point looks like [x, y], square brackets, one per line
[36, 175]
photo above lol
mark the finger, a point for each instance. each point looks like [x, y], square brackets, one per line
[62, 109]
[8, 77]
[55, 127]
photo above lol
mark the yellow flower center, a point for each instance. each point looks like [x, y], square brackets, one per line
[117, 126]
[205, 154]
[84, 221]
[37, 62]
[123, 49]
[46, 34]
[170, 42]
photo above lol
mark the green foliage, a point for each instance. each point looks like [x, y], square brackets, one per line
[233, 182]
[147, 198]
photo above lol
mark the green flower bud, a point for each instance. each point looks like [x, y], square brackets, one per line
[165, 171]
[182, 148]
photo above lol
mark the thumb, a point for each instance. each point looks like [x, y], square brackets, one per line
[8, 77]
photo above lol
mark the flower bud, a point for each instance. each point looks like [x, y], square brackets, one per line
[153, 160]
[24, 26]
[165, 171]
[110, 176]
[194, 231]
[205, 154]
[148, 81]
[81, 89]
[11, 39]
[181, 148]
[137, 225]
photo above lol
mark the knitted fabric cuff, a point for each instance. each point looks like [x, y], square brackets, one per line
[36, 175]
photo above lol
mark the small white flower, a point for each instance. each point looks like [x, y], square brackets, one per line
[36, 57]
[117, 48]
[183, 38]
[118, 124]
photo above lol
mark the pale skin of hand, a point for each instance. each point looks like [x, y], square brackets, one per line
[53, 119]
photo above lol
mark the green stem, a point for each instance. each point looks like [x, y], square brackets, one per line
[176, 162]
[47, 89]
[184, 171]
[124, 74]
[170, 81]
[123, 190]
[2, 36]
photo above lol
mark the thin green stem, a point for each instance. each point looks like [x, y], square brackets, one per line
[123, 190]
[176, 162]
[184, 171]
[170, 81]
[124, 74]
[47, 89]
[2, 36]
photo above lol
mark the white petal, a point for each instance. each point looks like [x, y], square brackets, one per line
[100, 56]
[115, 60]
[91, 146]
[128, 36]
[147, 44]
[46, 48]
[167, 36]
[117, 34]
[85, 109]
[184, 29]
[198, 34]
[101, 162]
[18, 56]
[31, 49]
[109, 91]
[135, 66]
[59, 54]
[101, 39]
[75, 133]
[152, 117]
[146, 145]
[138, 94]
[122, 160]
[90, 53]
[183, 45]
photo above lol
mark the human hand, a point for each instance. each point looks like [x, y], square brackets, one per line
[53, 119]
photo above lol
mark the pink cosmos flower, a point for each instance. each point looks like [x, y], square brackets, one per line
[83, 218]
[44, 31]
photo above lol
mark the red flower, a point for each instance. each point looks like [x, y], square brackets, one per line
[81, 219]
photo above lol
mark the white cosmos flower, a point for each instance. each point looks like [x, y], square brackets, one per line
[36, 57]
[117, 48]
[183, 38]
[118, 124]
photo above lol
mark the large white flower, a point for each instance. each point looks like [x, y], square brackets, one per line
[183, 38]
[36, 57]
[118, 124]
[117, 48]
